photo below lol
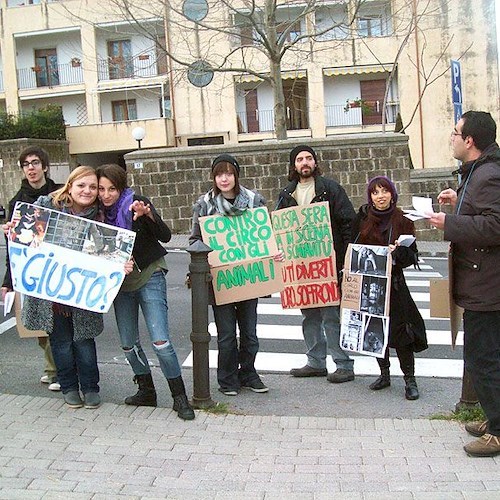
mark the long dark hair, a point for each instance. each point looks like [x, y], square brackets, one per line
[115, 174]
[380, 226]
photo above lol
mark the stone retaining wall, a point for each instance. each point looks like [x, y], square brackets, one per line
[175, 178]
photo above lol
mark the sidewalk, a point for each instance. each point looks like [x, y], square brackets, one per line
[48, 451]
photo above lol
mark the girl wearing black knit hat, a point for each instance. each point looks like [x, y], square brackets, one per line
[236, 363]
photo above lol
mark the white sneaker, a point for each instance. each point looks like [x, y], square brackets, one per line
[46, 379]
[55, 386]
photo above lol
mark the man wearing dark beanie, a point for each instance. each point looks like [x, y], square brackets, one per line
[321, 325]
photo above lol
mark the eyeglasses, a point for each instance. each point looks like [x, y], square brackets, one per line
[33, 163]
[454, 133]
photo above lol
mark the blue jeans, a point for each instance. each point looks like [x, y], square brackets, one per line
[235, 365]
[482, 361]
[321, 330]
[152, 297]
[76, 362]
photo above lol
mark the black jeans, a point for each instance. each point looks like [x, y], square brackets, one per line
[236, 363]
[482, 361]
[406, 359]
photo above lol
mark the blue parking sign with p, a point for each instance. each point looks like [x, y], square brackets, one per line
[456, 89]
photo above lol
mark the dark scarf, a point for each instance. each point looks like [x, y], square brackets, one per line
[382, 219]
[30, 194]
[119, 214]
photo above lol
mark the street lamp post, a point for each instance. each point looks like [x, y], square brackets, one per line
[138, 134]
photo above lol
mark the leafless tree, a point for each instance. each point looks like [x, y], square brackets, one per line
[264, 37]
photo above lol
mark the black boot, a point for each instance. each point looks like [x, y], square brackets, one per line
[411, 389]
[385, 379]
[146, 394]
[181, 403]
[407, 363]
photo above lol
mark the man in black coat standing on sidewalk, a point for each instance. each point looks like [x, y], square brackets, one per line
[321, 325]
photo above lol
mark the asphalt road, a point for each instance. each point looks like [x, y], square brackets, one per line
[21, 366]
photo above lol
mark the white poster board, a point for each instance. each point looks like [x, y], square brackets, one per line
[366, 289]
[67, 259]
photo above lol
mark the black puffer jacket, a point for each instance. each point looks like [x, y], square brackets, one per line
[341, 211]
[474, 231]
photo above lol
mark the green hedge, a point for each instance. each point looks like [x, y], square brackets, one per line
[44, 123]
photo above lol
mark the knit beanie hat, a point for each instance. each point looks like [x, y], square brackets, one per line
[297, 149]
[384, 182]
[229, 159]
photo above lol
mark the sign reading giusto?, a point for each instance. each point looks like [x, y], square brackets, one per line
[242, 258]
[67, 259]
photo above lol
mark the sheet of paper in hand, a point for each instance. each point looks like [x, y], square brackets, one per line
[67, 259]
[422, 207]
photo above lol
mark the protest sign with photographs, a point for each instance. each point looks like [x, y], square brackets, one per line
[366, 288]
[67, 259]
[242, 261]
[304, 234]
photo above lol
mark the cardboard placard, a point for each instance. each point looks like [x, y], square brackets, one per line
[304, 234]
[439, 298]
[242, 259]
[21, 329]
[366, 290]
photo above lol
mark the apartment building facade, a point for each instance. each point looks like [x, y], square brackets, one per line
[350, 66]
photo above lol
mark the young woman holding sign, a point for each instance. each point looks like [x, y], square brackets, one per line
[381, 222]
[71, 330]
[236, 364]
[145, 286]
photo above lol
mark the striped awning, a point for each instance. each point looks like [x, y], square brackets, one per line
[285, 75]
[356, 70]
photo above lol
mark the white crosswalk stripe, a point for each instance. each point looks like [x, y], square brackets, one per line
[270, 328]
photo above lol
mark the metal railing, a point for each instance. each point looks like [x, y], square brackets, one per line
[338, 115]
[140, 66]
[51, 76]
[263, 121]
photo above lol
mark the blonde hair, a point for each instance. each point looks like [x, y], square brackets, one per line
[62, 198]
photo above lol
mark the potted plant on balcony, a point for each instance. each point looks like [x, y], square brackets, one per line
[366, 109]
[76, 62]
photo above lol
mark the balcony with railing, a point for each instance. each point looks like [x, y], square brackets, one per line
[263, 120]
[139, 66]
[340, 115]
[50, 76]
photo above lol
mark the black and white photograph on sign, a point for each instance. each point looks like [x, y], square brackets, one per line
[369, 259]
[373, 295]
[375, 335]
[351, 333]
[36, 224]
